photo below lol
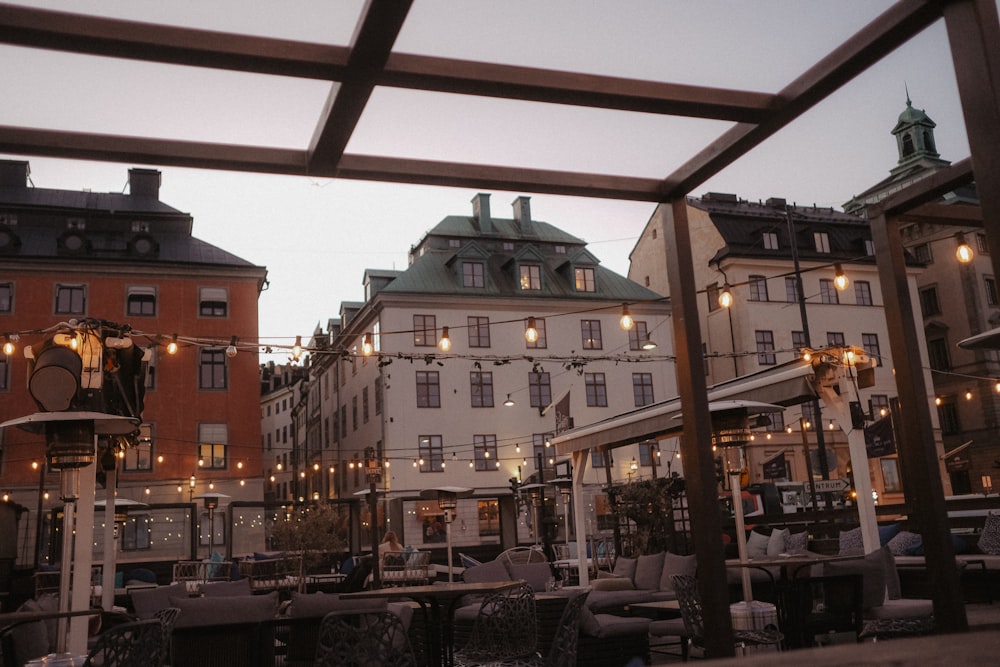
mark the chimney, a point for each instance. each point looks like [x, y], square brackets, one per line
[14, 173]
[775, 202]
[481, 212]
[144, 183]
[522, 214]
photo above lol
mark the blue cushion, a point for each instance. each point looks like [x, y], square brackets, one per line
[142, 574]
[887, 532]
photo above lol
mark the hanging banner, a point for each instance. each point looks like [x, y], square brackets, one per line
[879, 438]
[563, 419]
[776, 467]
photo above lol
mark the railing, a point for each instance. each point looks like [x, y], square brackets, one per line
[401, 568]
[273, 574]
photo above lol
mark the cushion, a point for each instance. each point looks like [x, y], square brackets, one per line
[309, 605]
[776, 543]
[624, 567]
[872, 572]
[31, 640]
[676, 564]
[268, 555]
[148, 601]
[904, 542]
[225, 610]
[226, 588]
[797, 543]
[851, 541]
[612, 584]
[887, 532]
[493, 570]
[989, 539]
[757, 544]
[141, 574]
[648, 570]
[536, 575]
[607, 625]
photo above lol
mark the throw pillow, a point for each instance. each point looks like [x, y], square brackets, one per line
[648, 570]
[776, 543]
[887, 532]
[989, 539]
[903, 543]
[757, 544]
[676, 564]
[624, 567]
[797, 543]
[491, 570]
[226, 588]
[612, 584]
[851, 541]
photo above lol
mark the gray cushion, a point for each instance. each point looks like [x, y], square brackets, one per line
[851, 541]
[903, 542]
[31, 640]
[989, 539]
[225, 610]
[612, 584]
[776, 542]
[904, 608]
[676, 564]
[757, 544]
[226, 588]
[624, 567]
[536, 575]
[872, 570]
[148, 601]
[493, 570]
[607, 625]
[648, 570]
[309, 605]
[797, 543]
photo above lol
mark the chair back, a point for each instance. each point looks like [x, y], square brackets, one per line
[136, 644]
[505, 627]
[562, 653]
[686, 589]
[167, 618]
[363, 640]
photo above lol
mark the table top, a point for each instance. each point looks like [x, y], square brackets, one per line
[655, 604]
[16, 617]
[434, 590]
[790, 559]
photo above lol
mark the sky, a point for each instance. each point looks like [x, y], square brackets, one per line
[317, 236]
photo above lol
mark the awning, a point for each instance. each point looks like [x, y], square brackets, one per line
[787, 384]
[988, 340]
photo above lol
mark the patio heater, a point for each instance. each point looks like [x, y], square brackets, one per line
[536, 493]
[211, 503]
[121, 507]
[373, 473]
[447, 499]
[565, 486]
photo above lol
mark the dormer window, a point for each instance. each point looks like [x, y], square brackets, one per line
[584, 279]
[822, 241]
[76, 223]
[454, 243]
[473, 274]
[869, 247]
[531, 277]
[770, 240]
[560, 250]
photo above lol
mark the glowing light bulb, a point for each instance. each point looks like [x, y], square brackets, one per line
[445, 343]
[726, 296]
[530, 332]
[626, 322]
[840, 280]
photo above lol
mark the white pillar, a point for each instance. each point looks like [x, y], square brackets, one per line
[580, 461]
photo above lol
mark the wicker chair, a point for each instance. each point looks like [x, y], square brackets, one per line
[167, 618]
[686, 588]
[505, 630]
[363, 640]
[136, 644]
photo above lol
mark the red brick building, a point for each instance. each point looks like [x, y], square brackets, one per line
[130, 259]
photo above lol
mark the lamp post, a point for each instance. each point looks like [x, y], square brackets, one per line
[447, 498]
[373, 473]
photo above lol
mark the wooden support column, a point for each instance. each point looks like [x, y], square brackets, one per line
[696, 445]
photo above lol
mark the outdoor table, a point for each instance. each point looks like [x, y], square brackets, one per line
[437, 602]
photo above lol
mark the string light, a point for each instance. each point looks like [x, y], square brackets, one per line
[530, 331]
[172, 345]
[840, 280]
[297, 348]
[626, 320]
[366, 347]
[445, 342]
[9, 346]
[726, 296]
[968, 394]
[231, 350]
[963, 251]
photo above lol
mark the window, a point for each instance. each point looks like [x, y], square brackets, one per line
[597, 391]
[473, 274]
[591, 332]
[862, 293]
[937, 353]
[809, 413]
[424, 330]
[212, 441]
[647, 453]
[154, 358]
[642, 388]
[454, 243]
[212, 369]
[343, 421]
[541, 343]
[835, 338]
[584, 279]
[508, 246]
[4, 374]
[929, 305]
[991, 290]
[481, 389]
[869, 247]
[799, 340]
[869, 341]
[770, 240]
[776, 422]
[637, 335]
[982, 244]
[765, 348]
[878, 406]
[378, 395]
[890, 476]
[428, 390]
[712, 293]
[922, 253]
[758, 288]
[135, 532]
[531, 277]
[489, 517]
[559, 250]
[822, 241]
[431, 453]
[141, 301]
[140, 457]
[6, 297]
[354, 412]
[479, 331]
[539, 389]
[541, 445]
[791, 289]
[364, 404]
[213, 302]
[600, 459]
[71, 299]
[485, 452]
[948, 417]
[827, 291]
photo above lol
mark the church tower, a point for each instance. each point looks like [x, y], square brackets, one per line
[914, 134]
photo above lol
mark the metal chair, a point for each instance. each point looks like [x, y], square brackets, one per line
[686, 588]
[136, 644]
[505, 630]
[820, 605]
[167, 618]
[363, 640]
[562, 652]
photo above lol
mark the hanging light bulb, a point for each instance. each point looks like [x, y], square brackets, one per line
[648, 344]
[726, 296]
[840, 280]
[963, 251]
[807, 354]
[420, 460]
[509, 402]
[471, 464]
[996, 387]
[968, 394]
[172, 345]
[626, 322]
[9, 346]
[788, 430]
[445, 342]
[498, 463]
[517, 446]
[297, 348]
[366, 346]
[530, 332]
[634, 465]
[231, 350]
[937, 400]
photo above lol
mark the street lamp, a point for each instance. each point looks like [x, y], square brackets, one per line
[447, 498]
[373, 473]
